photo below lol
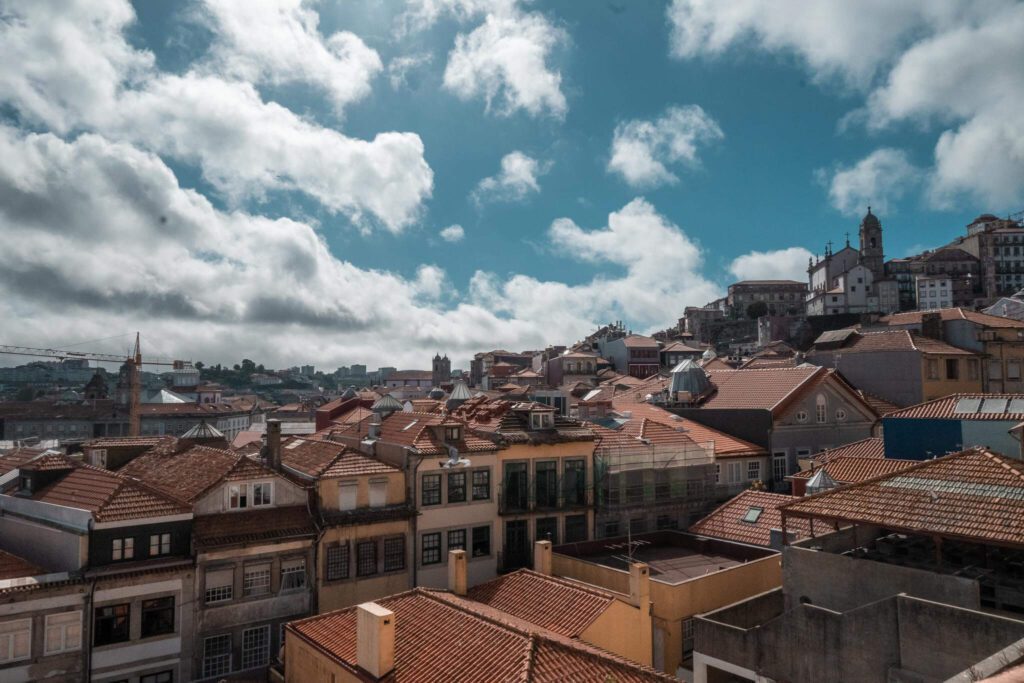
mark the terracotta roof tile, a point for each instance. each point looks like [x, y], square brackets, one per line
[945, 408]
[871, 447]
[852, 470]
[415, 430]
[352, 463]
[984, 319]
[725, 444]
[766, 389]
[974, 495]
[728, 521]
[16, 458]
[190, 474]
[232, 528]
[14, 567]
[565, 607]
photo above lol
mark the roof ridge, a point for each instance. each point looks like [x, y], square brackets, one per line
[911, 338]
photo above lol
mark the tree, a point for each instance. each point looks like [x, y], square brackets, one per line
[25, 394]
[199, 365]
[248, 367]
[757, 309]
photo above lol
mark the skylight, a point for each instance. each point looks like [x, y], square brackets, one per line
[753, 514]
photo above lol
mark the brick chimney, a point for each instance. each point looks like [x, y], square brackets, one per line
[931, 325]
[375, 639]
[457, 572]
[274, 444]
[542, 557]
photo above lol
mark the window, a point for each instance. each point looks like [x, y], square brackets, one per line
[1013, 369]
[431, 489]
[666, 522]
[366, 558]
[780, 466]
[255, 647]
[159, 544]
[256, 580]
[753, 514]
[481, 485]
[161, 677]
[547, 529]
[216, 656]
[457, 539]
[801, 416]
[575, 528]
[952, 368]
[241, 496]
[122, 549]
[574, 482]
[112, 624]
[481, 541]
[995, 369]
[15, 640]
[734, 470]
[261, 493]
[611, 529]
[753, 470]
[337, 562]
[541, 420]
[157, 616]
[293, 574]
[718, 473]
[515, 486]
[452, 433]
[219, 586]
[932, 366]
[456, 487]
[431, 548]
[378, 492]
[547, 484]
[821, 409]
[63, 633]
[394, 554]
[687, 637]
[348, 492]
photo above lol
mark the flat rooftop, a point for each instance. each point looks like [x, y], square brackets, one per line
[673, 556]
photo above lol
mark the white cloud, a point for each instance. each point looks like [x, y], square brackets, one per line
[400, 68]
[878, 179]
[453, 233]
[86, 76]
[641, 149]
[517, 179]
[780, 264]
[278, 42]
[954, 65]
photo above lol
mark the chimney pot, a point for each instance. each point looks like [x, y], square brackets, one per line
[542, 557]
[457, 580]
[274, 443]
[375, 639]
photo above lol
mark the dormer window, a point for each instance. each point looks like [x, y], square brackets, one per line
[243, 496]
[541, 420]
[452, 433]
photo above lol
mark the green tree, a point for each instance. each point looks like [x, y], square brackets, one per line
[757, 309]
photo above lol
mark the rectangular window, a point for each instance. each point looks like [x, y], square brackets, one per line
[216, 656]
[995, 369]
[261, 493]
[15, 640]
[255, 647]
[753, 470]
[111, 624]
[256, 580]
[516, 486]
[574, 482]
[575, 528]
[780, 467]
[933, 368]
[378, 493]
[481, 541]
[456, 487]
[457, 539]
[611, 529]
[63, 633]
[293, 574]
[220, 585]
[157, 616]
[662, 484]
[337, 562]
[952, 368]
[1013, 369]
[547, 484]
[241, 496]
[122, 549]
[366, 558]
[431, 489]
[431, 548]
[547, 529]
[394, 554]
[159, 544]
[161, 677]
[348, 492]
[735, 472]
[481, 485]
[687, 637]
[238, 496]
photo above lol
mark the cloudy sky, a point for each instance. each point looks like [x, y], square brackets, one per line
[340, 182]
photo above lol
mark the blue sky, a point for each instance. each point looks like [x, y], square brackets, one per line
[648, 145]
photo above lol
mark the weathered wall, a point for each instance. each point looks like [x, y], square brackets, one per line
[624, 630]
[334, 595]
[892, 375]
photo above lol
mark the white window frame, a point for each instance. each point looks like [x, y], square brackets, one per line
[780, 457]
[753, 470]
[159, 544]
[256, 579]
[242, 496]
[220, 663]
[69, 627]
[9, 639]
[221, 592]
[259, 655]
[348, 495]
[294, 566]
[821, 409]
[122, 548]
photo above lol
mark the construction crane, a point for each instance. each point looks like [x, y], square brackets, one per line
[133, 361]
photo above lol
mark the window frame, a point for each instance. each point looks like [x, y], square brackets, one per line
[9, 639]
[162, 542]
[366, 558]
[753, 470]
[251, 588]
[432, 547]
[456, 535]
[264, 647]
[122, 549]
[76, 615]
[290, 568]
[581, 520]
[390, 554]
[481, 536]
[149, 608]
[112, 617]
[485, 485]
[456, 491]
[435, 484]
[220, 659]
[342, 562]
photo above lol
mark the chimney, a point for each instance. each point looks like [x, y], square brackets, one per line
[542, 557]
[375, 639]
[639, 584]
[931, 325]
[274, 444]
[374, 432]
[457, 572]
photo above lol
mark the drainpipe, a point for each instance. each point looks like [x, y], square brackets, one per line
[87, 633]
[313, 507]
[410, 498]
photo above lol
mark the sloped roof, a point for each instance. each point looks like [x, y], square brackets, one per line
[14, 459]
[203, 430]
[14, 567]
[565, 607]
[852, 469]
[188, 475]
[638, 341]
[729, 520]
[233, 528]
[1009, 407]
[726, 445]
[897, 340]
[975, 496]
[510, 421]
[871, 447]
[766, 389]
[914, 317]
[439, 637]
[414, 430]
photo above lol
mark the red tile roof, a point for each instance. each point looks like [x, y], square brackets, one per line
[984, 319]
[725, 444]
[897, 340]
[852, 470]
[442, 638]
[14, 567]
[871, 447]
[638, 341]
[415, 431]
[727, 521]
[125, 441]
[766, 389]
[190, 474]
[352, 464]
[975, 496]
[14, 459]
[234, 528]
[565, 607]
[945, 408]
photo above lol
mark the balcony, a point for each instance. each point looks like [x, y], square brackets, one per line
[559, 494]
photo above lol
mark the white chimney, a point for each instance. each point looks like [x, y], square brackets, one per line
[375, 639]
[542, 557]
[457, 572]
[639, 584]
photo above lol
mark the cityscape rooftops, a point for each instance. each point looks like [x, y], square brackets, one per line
[252, 526]
[1009, 407]
[852, 469]
[871, 447]
[750, 518]
[725, 445]
[190, 474]
[947, 314]
[886, 340]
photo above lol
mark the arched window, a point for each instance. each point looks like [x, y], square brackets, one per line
[821, 408]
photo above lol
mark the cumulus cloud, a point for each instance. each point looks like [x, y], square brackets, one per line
[278, 42]
[878, 179]
[641, 149]
[401, 70]
[453, 233]
[950, 65]
[517, 179]
[72, 68]
[780, 264]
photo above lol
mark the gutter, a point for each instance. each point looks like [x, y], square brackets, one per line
[410, 493]
[87, 617]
